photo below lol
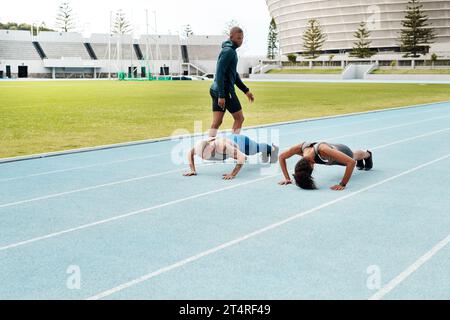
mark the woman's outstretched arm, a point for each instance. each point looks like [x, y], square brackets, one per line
[295, 150]
[344, 159]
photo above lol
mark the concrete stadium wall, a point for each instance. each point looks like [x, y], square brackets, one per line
[247, 62]
[159, 39]
[169, 55]
[340, 19]
[15, 35]
[47, 36]
[35, 67]
[269, 77]
[205, 40]
[105, 66]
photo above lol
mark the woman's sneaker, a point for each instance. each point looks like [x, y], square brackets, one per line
[360, 165]
[369, 162]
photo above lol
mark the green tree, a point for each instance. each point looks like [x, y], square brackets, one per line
[330, 59]
[65, 19]
[24, 26]
[292, 58]
[40, 27]
[272, 42]
[313, 39]
[433, 60]
[362, 44]
[416, 34]
[121, 24]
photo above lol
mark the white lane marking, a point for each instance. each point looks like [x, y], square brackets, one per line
[357, 122]
[179, 170]
[410, 270]
[126, 215]
[82, 167]
[387, 128]
[253, 234]
[143, 210]
[6, 205]
[164, 154]
[410, 139]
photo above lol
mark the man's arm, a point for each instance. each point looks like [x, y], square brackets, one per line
[241, 84]
[282, 159]
[244, 88]
[193, 172]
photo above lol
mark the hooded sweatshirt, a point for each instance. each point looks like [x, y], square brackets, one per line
[226, 74]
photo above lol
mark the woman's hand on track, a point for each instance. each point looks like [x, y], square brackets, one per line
[337, 187]
[285, 182]
[227, 176]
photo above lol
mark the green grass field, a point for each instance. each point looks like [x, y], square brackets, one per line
[38, 117]
[412, 71]
[305, 71]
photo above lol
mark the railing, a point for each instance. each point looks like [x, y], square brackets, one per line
[358, 70]
[39, 50]
[138, 51]
[185, 54]
[90, 50]
[199, 69]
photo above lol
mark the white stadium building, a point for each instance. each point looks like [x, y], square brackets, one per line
[341, 18]
[70, 55]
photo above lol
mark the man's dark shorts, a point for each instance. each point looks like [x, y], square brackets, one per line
[232, 103]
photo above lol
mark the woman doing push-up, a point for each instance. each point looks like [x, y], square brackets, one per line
[234, 146]
[325, 154]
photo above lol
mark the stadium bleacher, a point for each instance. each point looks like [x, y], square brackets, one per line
[57, 45]
[61, 51]
[17, 45]
[9, 50]
[203, 52]
[161, 47]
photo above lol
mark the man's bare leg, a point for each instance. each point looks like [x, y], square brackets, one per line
[238, 122]
[217, 122]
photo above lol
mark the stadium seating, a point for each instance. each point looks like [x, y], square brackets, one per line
[17, 50]
[61, 51]
[199, 52]
[58, 50]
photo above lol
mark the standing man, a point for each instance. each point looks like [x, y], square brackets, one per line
[222, 91]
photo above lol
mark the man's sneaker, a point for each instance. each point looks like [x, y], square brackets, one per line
[369, 162]
[274, 154]
[360, 165]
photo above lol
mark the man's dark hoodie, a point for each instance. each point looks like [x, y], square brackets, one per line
[226, 73]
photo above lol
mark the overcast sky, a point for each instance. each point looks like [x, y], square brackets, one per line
[205, 16]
